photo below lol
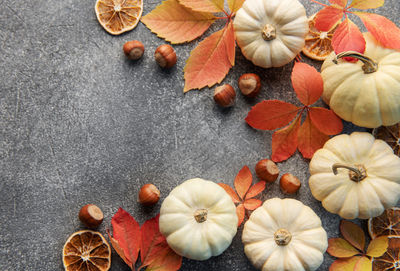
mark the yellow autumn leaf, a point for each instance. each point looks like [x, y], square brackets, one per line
[378, 246]
[346, 264]
[235, 5]
[176, 23]
[363, 264]
[366, 4]
[204, 5]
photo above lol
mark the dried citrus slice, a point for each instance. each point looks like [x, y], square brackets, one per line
[118, 16]
[390, 134]
[389, 261]
[86, 251]
[387, 223]
[318, 44]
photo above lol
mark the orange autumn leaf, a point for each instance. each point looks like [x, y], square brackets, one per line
[363, 264]
[307, 83]
[366, 4]
[310, 139]
[235, 5]
[325, 120]
[176, 23]
[240, 211]
[345, 264]
[243, 181]
[353, 234]
[348, 37]
[252, 204]
[339, 3]
[327, 18]
[284, 141]
[256, 189]
[204, 5]
[230, 192]
[211, 60]
[383, 30]
[340, 248]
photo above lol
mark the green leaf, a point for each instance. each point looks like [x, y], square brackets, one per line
[378, 246]
[353, 234]
[340, 248]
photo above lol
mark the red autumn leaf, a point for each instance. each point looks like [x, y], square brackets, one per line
[211, 60]
[310, 139]
[383, 30]
[345, 264]
[126, 232]
[327, 18]
[366, 4]
[353, 234]
[119, 250]
[177, 24]
[348, 37]
[256, 189]
[272, 114]
[252, 204]
[204, 5]
[363, 264]
[340, 248]
[243, 181]
[155, 252]
[307, 83]
[284, 141]
[240, 213]
[339, 3]
[230, 192]
[325, 120]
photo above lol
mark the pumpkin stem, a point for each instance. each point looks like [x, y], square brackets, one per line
[356, 174]
[282, 237]
[369, 66]
[269, 32]
[200, 215]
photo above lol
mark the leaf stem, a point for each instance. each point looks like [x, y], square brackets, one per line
[325, 5]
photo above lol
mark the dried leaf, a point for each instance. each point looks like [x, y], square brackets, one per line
[378, 246]
[230, 43]
[235, 5]
[119, 250]
[284, 141]
[327, 18]
[363, 264]
[210, 61]
[272, 114]
[126, 233]
[230, 192]
[325, 120]
[383, 30]
[256, 189]
[353, 234]
[339, 3]
[252, 204]
[240, 213]
[307, 83]
[155, 252]
[310, 139]
[177, 24]
[204, 5]
[366, 4]
[340, 248]
[243, 181]
[346, 264]
[348, 37]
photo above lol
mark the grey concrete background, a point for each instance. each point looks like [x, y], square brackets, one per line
[81, 124]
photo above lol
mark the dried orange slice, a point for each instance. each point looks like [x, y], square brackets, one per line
[390, 261]
[318, 44]
[86, 251]
[387, 223]
[390, 134]
[118, 16]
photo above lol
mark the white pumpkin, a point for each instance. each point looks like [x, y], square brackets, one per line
[284, 235]
[271, 33]
[198, 219]
[367, 92]
[367, 180]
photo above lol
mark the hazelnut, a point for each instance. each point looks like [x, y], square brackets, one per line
[225, 95]
[91, 216]
[289, 184]
[149, 194]
[249, 84]
[165, 56]
[133, 49]
[267, 170]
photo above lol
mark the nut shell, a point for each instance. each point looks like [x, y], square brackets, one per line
[91, 216]
[267, 170]
[133, 49]
[149, 194]
[165, 56]
[225, 95]
[249, 84]
[289, 183]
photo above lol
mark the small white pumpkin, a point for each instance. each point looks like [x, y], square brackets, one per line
[284, 235]
[355, 176]
[198, 219]
[367, 92]
[271, 33]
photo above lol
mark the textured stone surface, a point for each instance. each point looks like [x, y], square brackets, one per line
[82, 124]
